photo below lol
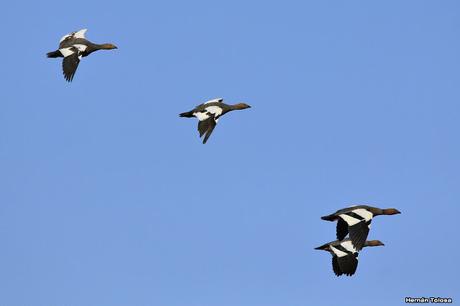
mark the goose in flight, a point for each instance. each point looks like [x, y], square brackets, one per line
[74, 46]
[208, 115]
[344, 255]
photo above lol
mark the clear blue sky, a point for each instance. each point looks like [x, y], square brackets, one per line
[108, 198]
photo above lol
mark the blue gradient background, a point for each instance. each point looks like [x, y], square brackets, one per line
[109, 198]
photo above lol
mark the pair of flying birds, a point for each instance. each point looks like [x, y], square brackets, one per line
[74, 46]
[354, 221]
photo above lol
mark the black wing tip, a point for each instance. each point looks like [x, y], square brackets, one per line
[68, 78]
[335, 266]
[350, 274]
[208, 134]
[206, 137]
[357, 244]
[70, 66]
[358, 235]
[348, 264]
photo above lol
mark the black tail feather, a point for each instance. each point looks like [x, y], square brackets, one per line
[54, 54]
[329, 217]
[187, 114]
[323, 247]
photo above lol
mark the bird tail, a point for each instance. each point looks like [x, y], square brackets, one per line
[54, 54]
[187, 114]
[329, 218]
[322, 247]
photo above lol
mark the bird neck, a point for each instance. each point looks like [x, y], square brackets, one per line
[372, 243]
[237, 106]
[390, 211]
[105, 46]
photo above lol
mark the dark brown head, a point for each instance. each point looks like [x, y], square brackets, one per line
[108, 46]
[390, 211]
[241, 106]
[372, 243]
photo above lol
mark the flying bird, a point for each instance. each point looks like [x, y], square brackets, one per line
[209, 113]
[356, 220]
[344, 255]
[74, 46]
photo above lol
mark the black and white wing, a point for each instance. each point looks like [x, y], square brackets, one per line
[348, 264]
[77, 34]
[358, 233]
[346, 258]
[72, 56]
[206, 127]
[206, 112]
[358, 221]
[70, 65]
[208, 117]
[335, 266]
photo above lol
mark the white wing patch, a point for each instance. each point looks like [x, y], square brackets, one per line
[66, 51]
[361, 212]
[78, 34]
[350, 220]
[71, 50]
[367, 215]
[80, 47]
[348, 246]
[201, 116]
[215, 110]
[338, 252]
[214, 101]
